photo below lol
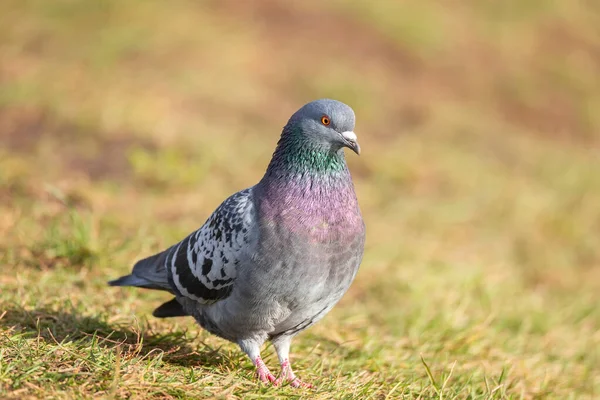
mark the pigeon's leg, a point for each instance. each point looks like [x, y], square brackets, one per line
[252, 349]
[282, 347]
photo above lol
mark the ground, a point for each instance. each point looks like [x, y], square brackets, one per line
[124, 124]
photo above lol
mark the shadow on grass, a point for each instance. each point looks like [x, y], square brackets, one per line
[60, 327]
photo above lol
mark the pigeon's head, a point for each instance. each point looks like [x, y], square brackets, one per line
[325, 123]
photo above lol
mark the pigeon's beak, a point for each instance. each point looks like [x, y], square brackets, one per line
[351, 142]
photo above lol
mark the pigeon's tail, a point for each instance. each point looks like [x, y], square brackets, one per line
[169, 309]
[149, 273]
[133, 280]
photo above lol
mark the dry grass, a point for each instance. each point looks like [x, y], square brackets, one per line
[123, 125]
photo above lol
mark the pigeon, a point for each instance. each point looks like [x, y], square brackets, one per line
[272, 259]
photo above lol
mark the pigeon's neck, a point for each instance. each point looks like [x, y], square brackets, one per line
[298, 158]
[309, 190]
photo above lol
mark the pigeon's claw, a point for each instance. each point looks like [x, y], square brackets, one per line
[263, 373]
[267, 377]
[287, 375]
[297, 383]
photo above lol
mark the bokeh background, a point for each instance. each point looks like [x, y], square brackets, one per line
[123, 124]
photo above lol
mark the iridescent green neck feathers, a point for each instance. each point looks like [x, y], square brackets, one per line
[298, 155]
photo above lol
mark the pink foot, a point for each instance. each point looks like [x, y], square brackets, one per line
[297, 383]
[287, 375]
[264, 375]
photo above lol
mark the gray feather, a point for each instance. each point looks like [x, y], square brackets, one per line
[149, 273]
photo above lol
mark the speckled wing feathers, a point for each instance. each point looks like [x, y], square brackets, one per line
[203, 266]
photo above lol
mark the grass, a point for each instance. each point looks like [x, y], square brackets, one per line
[124, 125]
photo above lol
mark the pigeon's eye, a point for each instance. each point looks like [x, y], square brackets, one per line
[325, 120]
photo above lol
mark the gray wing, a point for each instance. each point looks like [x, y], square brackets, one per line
[203, 266]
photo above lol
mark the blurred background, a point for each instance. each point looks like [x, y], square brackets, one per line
[124, 124]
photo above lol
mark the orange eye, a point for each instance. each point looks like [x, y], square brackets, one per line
[325, 120]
